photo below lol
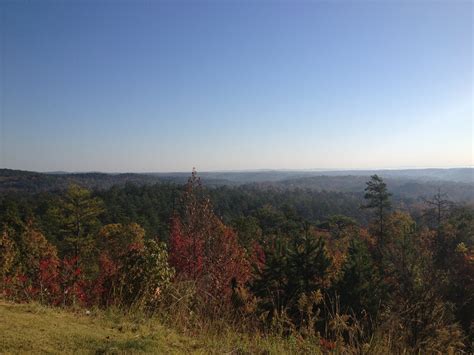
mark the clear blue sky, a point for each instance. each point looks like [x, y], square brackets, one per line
[165, 86]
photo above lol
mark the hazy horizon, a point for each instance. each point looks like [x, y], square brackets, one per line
[230, 86]
[242, 170]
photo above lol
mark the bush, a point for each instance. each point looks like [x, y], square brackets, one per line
[144, 275]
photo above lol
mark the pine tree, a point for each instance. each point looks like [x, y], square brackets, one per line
[271, 282]
[308, 263]
[293, 269]
[378, 199]
[361, 287]
[80, 211]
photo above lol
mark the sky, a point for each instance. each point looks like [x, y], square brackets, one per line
[149, 86]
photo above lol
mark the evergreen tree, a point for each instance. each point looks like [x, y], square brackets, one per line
[438, 210]
[293, 269]
[361, 287]
[307, 263]
[378, 199]
[80, 213]
[272, 278]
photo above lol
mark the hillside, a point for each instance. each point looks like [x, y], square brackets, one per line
[28, 327]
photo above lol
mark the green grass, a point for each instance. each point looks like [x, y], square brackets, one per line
[31, 327]
[40, 329]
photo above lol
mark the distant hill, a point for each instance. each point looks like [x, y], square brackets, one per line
[33, 182]
[408, 183]
[454, 174]
[401, 187]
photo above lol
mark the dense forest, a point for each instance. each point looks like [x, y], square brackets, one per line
[348, 263]
[408, 183]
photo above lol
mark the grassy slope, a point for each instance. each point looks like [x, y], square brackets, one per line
[31, 327]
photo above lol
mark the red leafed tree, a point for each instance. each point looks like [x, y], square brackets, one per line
[49, 280]
[103, 286]
[73, 283]
[186, 251]
[226, 262]
[203, 249]
[39, 265]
